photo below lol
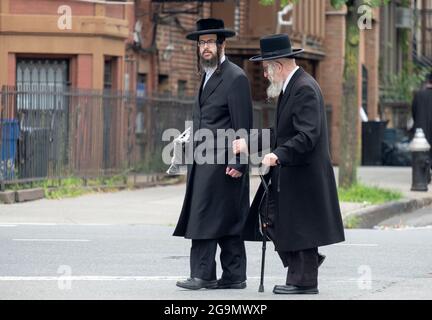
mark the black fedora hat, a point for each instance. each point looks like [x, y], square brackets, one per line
[210, 26]
[274, 47]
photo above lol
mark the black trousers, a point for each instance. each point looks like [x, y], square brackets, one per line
[302, 265]
[232, 258]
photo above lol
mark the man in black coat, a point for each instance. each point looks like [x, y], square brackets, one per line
[422, 110]
[216, 203]
[304, 211]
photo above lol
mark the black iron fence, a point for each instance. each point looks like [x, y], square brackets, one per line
[54, 134]
[59, 133]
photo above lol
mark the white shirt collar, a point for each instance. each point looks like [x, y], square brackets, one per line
[289, 78]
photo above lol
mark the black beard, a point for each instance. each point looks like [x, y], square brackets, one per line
[210, 63]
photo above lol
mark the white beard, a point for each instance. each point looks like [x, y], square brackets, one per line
[274, 88]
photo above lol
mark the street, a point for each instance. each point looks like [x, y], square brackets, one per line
[144, 262]
[119, 246]
[105, 98]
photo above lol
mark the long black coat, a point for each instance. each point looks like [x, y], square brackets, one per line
[307, 212]
[216, 205]
[422, 112]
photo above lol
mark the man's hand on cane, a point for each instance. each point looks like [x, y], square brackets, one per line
[270, 160]
[240, 146]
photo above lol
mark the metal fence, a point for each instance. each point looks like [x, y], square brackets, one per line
[54, 134]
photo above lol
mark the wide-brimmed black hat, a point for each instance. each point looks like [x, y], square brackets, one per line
[274, 47]
[210, 26]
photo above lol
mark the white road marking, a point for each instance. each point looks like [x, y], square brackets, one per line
[132, 278]
[357, 244]
[55, 224]
[104, 278]
[34, 224]
[53, 240]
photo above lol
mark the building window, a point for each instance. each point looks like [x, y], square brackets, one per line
[141, 85]
[365, 89]
[108, 74]
[39, 80]
[181, 88]
[163, 84]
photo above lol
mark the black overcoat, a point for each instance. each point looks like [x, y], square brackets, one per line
[307, 207]
[216, 205]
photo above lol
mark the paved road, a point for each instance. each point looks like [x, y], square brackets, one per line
[144, 262]
[119, 246]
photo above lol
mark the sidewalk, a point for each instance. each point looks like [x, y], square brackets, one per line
[161, 205]
[395, 178]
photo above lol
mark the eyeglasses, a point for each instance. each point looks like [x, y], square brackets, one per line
[210, 42]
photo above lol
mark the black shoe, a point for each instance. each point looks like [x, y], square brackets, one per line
[321, 259]
[290, 289]
[223, 284]
[196, 284]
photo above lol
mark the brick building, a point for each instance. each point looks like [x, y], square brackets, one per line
[61, 66]
[140, 46]
[38, 47]
[168, 64]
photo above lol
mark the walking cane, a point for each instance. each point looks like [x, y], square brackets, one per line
[264, 229]
[264, 222]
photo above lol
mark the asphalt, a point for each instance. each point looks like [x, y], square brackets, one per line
[119, 246]
[145, 261]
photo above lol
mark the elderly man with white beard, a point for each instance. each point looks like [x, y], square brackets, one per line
[304, 211]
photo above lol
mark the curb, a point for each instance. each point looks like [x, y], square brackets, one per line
[145, 181]
[368, 218]
[29, 194]
[10, 197]
[7, 197]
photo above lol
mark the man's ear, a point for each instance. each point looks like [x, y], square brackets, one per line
[281, 65]
[223, 44]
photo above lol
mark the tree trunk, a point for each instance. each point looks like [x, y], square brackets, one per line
[350, 103]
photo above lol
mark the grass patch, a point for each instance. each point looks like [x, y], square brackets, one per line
[351, 222]
[67, 188]
[72, 186]
[367, 194]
